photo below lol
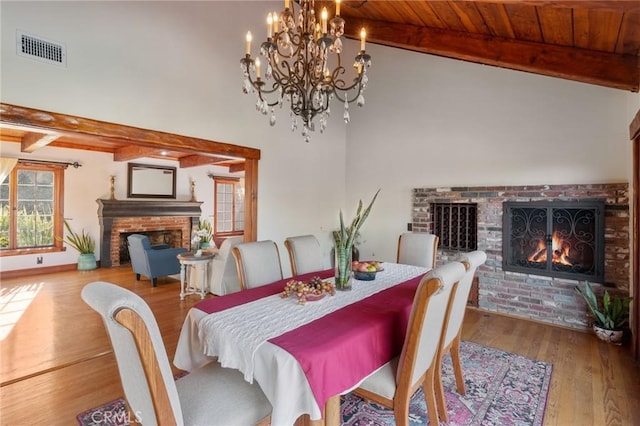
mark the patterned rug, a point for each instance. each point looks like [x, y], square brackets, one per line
[502, 389]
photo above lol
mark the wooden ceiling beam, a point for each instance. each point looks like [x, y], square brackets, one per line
[237, 167]
[32, 141]
[131, 152]
[199, 160]
[600, 68]
[62, 123]
[621, 5]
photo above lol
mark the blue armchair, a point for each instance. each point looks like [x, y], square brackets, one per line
[152, 261]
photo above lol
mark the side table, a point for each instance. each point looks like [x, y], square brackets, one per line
[188, 262]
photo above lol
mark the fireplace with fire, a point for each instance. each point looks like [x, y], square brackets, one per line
[560, 239]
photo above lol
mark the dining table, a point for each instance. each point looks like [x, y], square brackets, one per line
[303, 356]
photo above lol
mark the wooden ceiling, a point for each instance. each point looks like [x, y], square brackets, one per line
[595, 42]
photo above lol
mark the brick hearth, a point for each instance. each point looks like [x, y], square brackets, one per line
[526, 295]
[147, 224]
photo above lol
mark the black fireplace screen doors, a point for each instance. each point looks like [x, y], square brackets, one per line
[554, 238]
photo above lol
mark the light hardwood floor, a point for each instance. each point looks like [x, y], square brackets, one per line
[56, 359]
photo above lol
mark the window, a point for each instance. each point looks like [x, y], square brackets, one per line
[228, 207]
[455, 224]
[31, 213]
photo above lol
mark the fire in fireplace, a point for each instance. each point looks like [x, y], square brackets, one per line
[554, 238]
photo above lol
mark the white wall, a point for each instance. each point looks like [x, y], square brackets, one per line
[174, 67]
[437, 122]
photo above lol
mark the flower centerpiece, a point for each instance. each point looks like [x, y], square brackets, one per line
[196, 240]
[205, 232]
[315, 289]
[344, 239]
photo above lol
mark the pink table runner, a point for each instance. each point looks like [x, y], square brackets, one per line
[340, 349]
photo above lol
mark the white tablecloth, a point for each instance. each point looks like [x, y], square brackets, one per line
[238, 337]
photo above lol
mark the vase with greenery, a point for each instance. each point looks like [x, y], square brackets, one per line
[611, 318]
[344, 239]
[205, 232]
[84, 244]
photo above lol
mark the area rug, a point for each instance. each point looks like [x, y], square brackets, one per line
[502, 388]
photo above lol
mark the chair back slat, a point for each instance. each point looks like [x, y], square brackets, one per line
[161, 403]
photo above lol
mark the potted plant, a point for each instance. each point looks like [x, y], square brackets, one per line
[610, 320]
[84, 244]
[344, 239]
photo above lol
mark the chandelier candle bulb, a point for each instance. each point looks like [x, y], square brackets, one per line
[286, 4]
[324, 16]
[337, 7]
[269, 25]
[258, 68]
[275, 24]
[363, 37]
[249, 43]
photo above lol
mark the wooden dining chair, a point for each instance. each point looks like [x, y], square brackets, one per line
[453, 332]
[305, 254]
[209, 395]
[418, 249]
[258, 263]
[395, 382]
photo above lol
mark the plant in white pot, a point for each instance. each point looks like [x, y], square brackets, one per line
[84, 244]
[610, 320]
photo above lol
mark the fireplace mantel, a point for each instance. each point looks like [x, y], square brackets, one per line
[134, 208]
[110, 211]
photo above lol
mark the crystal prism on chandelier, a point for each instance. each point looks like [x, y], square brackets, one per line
[302, 66]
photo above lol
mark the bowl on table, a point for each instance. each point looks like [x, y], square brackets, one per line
[366, 270]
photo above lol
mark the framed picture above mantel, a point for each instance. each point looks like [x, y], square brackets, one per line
[151, 181]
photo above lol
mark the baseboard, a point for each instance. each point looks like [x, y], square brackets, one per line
[7, 275]
[550, 324]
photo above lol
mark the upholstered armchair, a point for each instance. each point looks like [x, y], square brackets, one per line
[152, 261]
[224, 274]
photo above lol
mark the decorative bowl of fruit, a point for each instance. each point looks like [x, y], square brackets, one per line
[314, 289]
[366, 270]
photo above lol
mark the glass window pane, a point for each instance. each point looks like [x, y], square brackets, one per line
[26, 177]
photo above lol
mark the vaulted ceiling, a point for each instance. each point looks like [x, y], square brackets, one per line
[594, 42]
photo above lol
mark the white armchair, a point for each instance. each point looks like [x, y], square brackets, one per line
[224, 274]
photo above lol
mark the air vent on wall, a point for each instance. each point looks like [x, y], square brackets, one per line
[36, 47]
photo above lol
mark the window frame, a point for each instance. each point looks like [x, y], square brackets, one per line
[58, 211]
[225, 181]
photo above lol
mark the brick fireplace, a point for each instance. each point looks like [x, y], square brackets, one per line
[128, 216]
[544, 298]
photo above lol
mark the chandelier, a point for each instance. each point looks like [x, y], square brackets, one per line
[303, 66]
